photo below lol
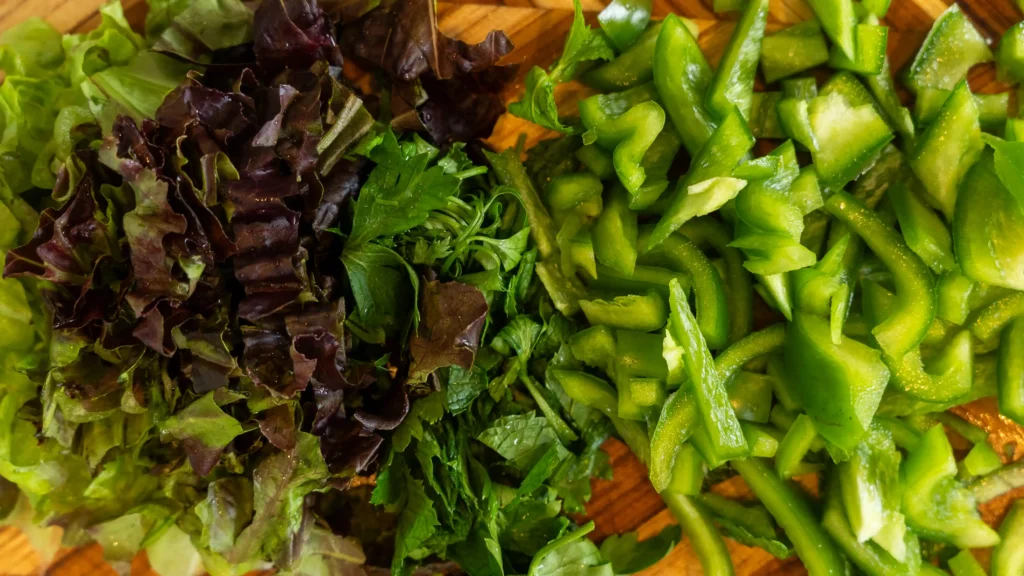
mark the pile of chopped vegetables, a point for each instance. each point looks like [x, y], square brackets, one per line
[254, 317]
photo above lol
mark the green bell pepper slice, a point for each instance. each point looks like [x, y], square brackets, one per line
[795, 121]
[601, 108]
[633, 67]
[576, 191]
[762, 439]
[839, 20]
[595, 347]
[869, 483]
[803, 87]
[709, 290]
[733, 84]
[883, 88]
[1011, 371]
[595, 159]
[849, 137]
[793, 50]
[981, 460]
[839, 385]
[642, 312]
[643, 279]
[639, 354]
[657, 162]
[924, 231]
[954, 297]
[751, 396]
[677, 422]
[716, 412]
[935, 504]
[624, 21]
[704, 537]
[993, 109]
[988, 228]
[1010, 58]
[877, 8]
[706, 232]
[639, 398]
[823, 289]
[965, 564]
[794, 446]
[588, 390]
[988, 322]
[615, 232]
[688, 472]
[951, 48]
[629, 136]
[947, 149]
[764, 116]
[870, 41]
[683, 76]
[723, 150]
[868, 556]
[1008, 557]
[906, 327]
[738, 354]
[790, 509]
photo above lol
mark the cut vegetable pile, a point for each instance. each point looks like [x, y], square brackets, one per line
[254, 317]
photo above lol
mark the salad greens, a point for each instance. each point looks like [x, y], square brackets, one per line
[266, 320]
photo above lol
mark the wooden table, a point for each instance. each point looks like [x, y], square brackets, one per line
[538, 27]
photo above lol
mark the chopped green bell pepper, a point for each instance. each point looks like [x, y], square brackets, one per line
[954, 297]
[595, 159]
[712, 398]
[764, 116]
[682, 76]
[793, 50]
[794, 446]
[923, 230]
[762, 439]
[751, 396]
[822, 289]
[639, 398]
[992, 108]
[981, 460]
[645, 313]
[707, 233]
[631, 68]
[995, 484]
[588, 390]
[628, 136]
[870, 41]
[792, 512]
[796, 123]
[965, 564]
[1008, 557]
[838, 19]
[803, 87]
[755, 345]
[849, 138]
[688, 472]
[717, 158]
[869, 557]
[839, 385]
[638, 354]
[657, 162]
[1011, 371]
[1011, 54]
[988, 323]
[576, 191]
[643, 279]
[733, 84]
[704, 537]
[624, 21]
[906, 327]
[884, 90]
[935, 504]
[877, 8]
[709, 290]
[988, 228]
[595, 347]
[952, 47]
[870, 486]
[679, 417]
[615, 232]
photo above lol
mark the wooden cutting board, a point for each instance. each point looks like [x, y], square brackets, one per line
[538, 28]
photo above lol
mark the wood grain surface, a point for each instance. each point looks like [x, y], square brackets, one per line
[538, 27]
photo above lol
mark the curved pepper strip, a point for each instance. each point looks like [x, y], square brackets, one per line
[871, 558]
[990, 320]
[733, 84]
[1011, 371]
[914, 311]
[716, 158]
[716, 412]
[682, 76]
[753, 346]
[823, 289]
[923, 230]
[679, 418]
[704, 537]
[936, 505]
[624, 21]
[629, 135]
[792, 512]
[1008, 557]
[949, 373]
[631, 68]
[712, 304]
[709, 233]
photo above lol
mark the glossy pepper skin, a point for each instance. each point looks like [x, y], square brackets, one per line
[679, 417]
[624, 21]
[906, 327]
[717, 157]
[1011, 371]
[839, 386]
[733, 84]
[790, 509]
[631, 68]
[935, 503]
[1008, 557]
[704, 537]
[716, 412]
[708, 233]
[628, 136]
[682, 76]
